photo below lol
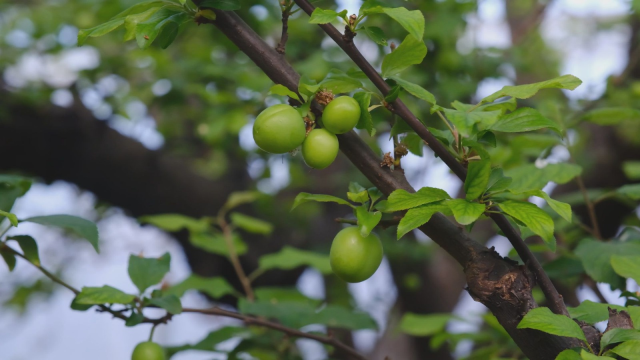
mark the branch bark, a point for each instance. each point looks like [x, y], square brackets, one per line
[492, 280]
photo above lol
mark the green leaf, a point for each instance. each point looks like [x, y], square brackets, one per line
[393, 93]
[29, 247]
[297, 315]
[465, 211]
[79, 226]
[376, 35]
[210, 342]
[419, 216]
[530, 177]
[103, 295]
[596, 258]
[357, 193]
[140, 7]
[11, 188]
[338, 82]
[424, 325]
[145, 272]
[240, 198]
[134, 319]
[569, 82]
[544, 320]
[13, 219]
[628, 350]
[176, 222]
[79, 307]
[375, 194]
[585, 355]
[403, 200]
[563, 209]
[306, 197]
[477, 179]
[9, 259]
[634, 312]
[162, 25]
[365, 122]
[627, 266]
[221, 4]
[497, 181]
[592, 312]
[412, 21]
[412, 51]
[275, 295]
[282, 90]
[630, 190]
[251, 224]
[415, 90]
[611, 115]
[464, 121]
[171, 303]
[631, 169]
[367, 220]
[617, 335]
[99, 30]
[321, 16]
[414, 143]
[216, 287]
[564, 267]
[216, 244]
[290, 258]
[131, 22]
[532, 216]
[569, 354]
[522, 120]
[370, 7]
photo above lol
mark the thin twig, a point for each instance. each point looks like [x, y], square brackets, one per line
[556, 304]
[590, 208]
[233, 256]
[250, 320]
[286, 12]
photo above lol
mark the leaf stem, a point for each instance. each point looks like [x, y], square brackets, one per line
[233, 257]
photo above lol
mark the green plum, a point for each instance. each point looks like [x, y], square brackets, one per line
[341, 115]
[320, 148]
[279, 129]
[148, 350]
[354, 258]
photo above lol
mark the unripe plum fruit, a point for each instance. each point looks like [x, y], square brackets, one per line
[341, 115]
[279, 129]
[354, 258]
[148, 350]
[320, 148]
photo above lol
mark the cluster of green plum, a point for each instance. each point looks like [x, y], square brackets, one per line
[280, 129]
[148, 350]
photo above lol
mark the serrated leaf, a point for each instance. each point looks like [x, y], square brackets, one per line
[561, 208]
[367, 220]
[532, 216]
[29, 247]
[376, 35]
[596, 258]
[176, 222]
[403, 200]
[464, 121]
[424, 325]
[251, 224]
[478, 174]
[9, 259]
[171, 303]
[627, 266]
[375, 194]
[146, 272]
[103, 295]
[530, 177]
[360, 197]
[592, 312]
[84, 228]
[415, 90]
[628, 350]
[221, 4]
[419, 216]
[365, 122]
[617, 335]
[282, 90]
[411, 52]
[568, 82]
[393, 93]
[611, 115]
[630, 190]
[523, 120]
[99, 30]
[544, 320]
[216, 287]
[322, 16]
[412, 21]
[306, 197]
[338, 82]
[497, 181]
[290, 258]
[216, 244]
[465, 212]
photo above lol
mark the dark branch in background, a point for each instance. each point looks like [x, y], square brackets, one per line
[556, 304]
[503, 286]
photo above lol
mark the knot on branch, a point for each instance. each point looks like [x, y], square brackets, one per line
[495, 280]
[348, 35]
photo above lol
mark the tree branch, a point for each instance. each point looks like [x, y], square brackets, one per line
[556, 304]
